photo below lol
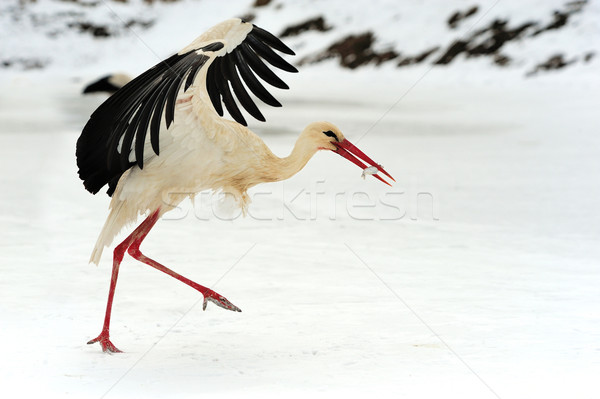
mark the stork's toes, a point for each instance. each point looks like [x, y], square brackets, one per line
[219, 300]
[107, 346]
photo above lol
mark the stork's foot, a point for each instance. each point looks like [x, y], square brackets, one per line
[107, 346]
[218, 300]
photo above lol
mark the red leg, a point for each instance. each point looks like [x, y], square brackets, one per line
[118, 254]
[132, 245]
[209, 295]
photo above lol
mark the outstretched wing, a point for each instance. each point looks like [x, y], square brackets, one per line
[119, 127]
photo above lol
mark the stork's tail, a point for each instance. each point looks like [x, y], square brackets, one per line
[116, 220]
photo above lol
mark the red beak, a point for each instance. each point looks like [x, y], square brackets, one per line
[353, 154]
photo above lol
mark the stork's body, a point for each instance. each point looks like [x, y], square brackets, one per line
[151, 163]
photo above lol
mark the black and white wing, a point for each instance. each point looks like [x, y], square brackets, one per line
[119, 127]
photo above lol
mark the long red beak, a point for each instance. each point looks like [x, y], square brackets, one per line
[353, 154]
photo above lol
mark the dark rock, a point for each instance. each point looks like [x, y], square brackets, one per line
[94, 30]
[459, 16]
[500, 34]
[471, 11]
[142, 24]
[353, 51]
[425, 54]
[486, 41]
[103, 31]
[501, 60]
[454, 19]
[560, 20]
[455, 49]
[417, 59]
[317, 24]
[389, 55]
[489, 40]
[555, 62]
[261, 3]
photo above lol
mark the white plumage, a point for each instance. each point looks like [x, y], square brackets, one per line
[162, 138]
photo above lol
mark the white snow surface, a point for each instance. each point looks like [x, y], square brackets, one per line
[475, 276]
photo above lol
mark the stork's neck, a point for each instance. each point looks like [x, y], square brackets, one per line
[287, 167]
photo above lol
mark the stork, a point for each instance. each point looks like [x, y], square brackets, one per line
[108, 84]
[162, 138]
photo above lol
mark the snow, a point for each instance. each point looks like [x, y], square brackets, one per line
[475, 276]
[40, 30]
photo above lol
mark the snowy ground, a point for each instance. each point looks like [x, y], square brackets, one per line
[495, 287]
[475, 276]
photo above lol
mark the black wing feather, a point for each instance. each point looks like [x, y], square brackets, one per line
[269, 55]
[213, 90]
[254, 84]
[145, 114]
[259, 67]
[121, 124]
[247, 57]
[271, 40]
[223, 87]
[122, 118]
[151, 108]
[157, 117]
[130, 135]
[193, 72]
[241, 93]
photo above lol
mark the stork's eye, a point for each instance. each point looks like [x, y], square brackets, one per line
[329, 133]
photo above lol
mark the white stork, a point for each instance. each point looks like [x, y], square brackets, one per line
[162, 138]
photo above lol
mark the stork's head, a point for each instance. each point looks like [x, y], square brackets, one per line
[326, 136]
